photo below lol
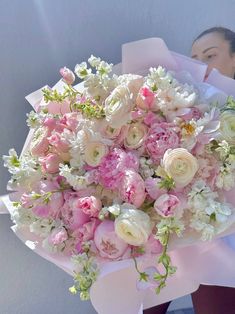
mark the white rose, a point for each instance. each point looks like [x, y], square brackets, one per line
[133, 226]
[94, 152]
[180, 165]
[118, 106]
[135, 135]
[227, 125]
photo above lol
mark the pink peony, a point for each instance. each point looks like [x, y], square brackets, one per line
[160, 138]
[113, 165]
[166, 205]
[68, 75]
[86, 231]
[107, 241]
[132, 188]
[90, 205]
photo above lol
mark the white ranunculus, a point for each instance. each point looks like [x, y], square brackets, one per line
[94, 152]
[135, 135]
[118, 106]
[133, 226]
[227, 125]
[180, 165]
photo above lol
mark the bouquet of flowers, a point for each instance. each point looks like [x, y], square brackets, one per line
[122, 167]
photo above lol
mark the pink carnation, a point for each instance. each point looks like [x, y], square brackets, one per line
[132, 188]
[160, 138]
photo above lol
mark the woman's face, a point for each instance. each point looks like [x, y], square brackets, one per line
[214, 50]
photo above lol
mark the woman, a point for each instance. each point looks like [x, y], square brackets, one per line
[216, 48]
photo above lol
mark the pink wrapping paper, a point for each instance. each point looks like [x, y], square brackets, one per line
[210, 263]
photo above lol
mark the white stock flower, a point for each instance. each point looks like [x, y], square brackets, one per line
[227, 125]
[73, 177]
[135, 135]
[180, 165]
[81, 70]
[200, 194]
[133, 226]
[118, 106]
[225, 178]
[220, 210]
[94, 152]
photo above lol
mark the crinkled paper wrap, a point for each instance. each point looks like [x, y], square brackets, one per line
[211, 263]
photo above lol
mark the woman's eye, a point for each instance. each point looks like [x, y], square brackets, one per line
[209, 57]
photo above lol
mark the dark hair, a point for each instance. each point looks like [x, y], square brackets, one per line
[225, 32]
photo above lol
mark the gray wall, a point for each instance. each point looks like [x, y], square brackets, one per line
[37, 37]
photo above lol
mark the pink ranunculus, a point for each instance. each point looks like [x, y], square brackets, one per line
[160, 138]
[153, 188]
[132, 188]
[166, 205]
[146, 99]
[50, 163]
[107, 242]
[57, 236]
[67, 75]
[153, 246]
[113, 165]
[90, 205]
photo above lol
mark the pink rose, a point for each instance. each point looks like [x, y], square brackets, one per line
[90, 205]
[50, 163]
[68, 75]
[107, 242]
[57, 236]
[160, 138]
[166, 205]
[145, 99]
[132, 188]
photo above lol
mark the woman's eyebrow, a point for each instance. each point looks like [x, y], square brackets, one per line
[204, 51]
